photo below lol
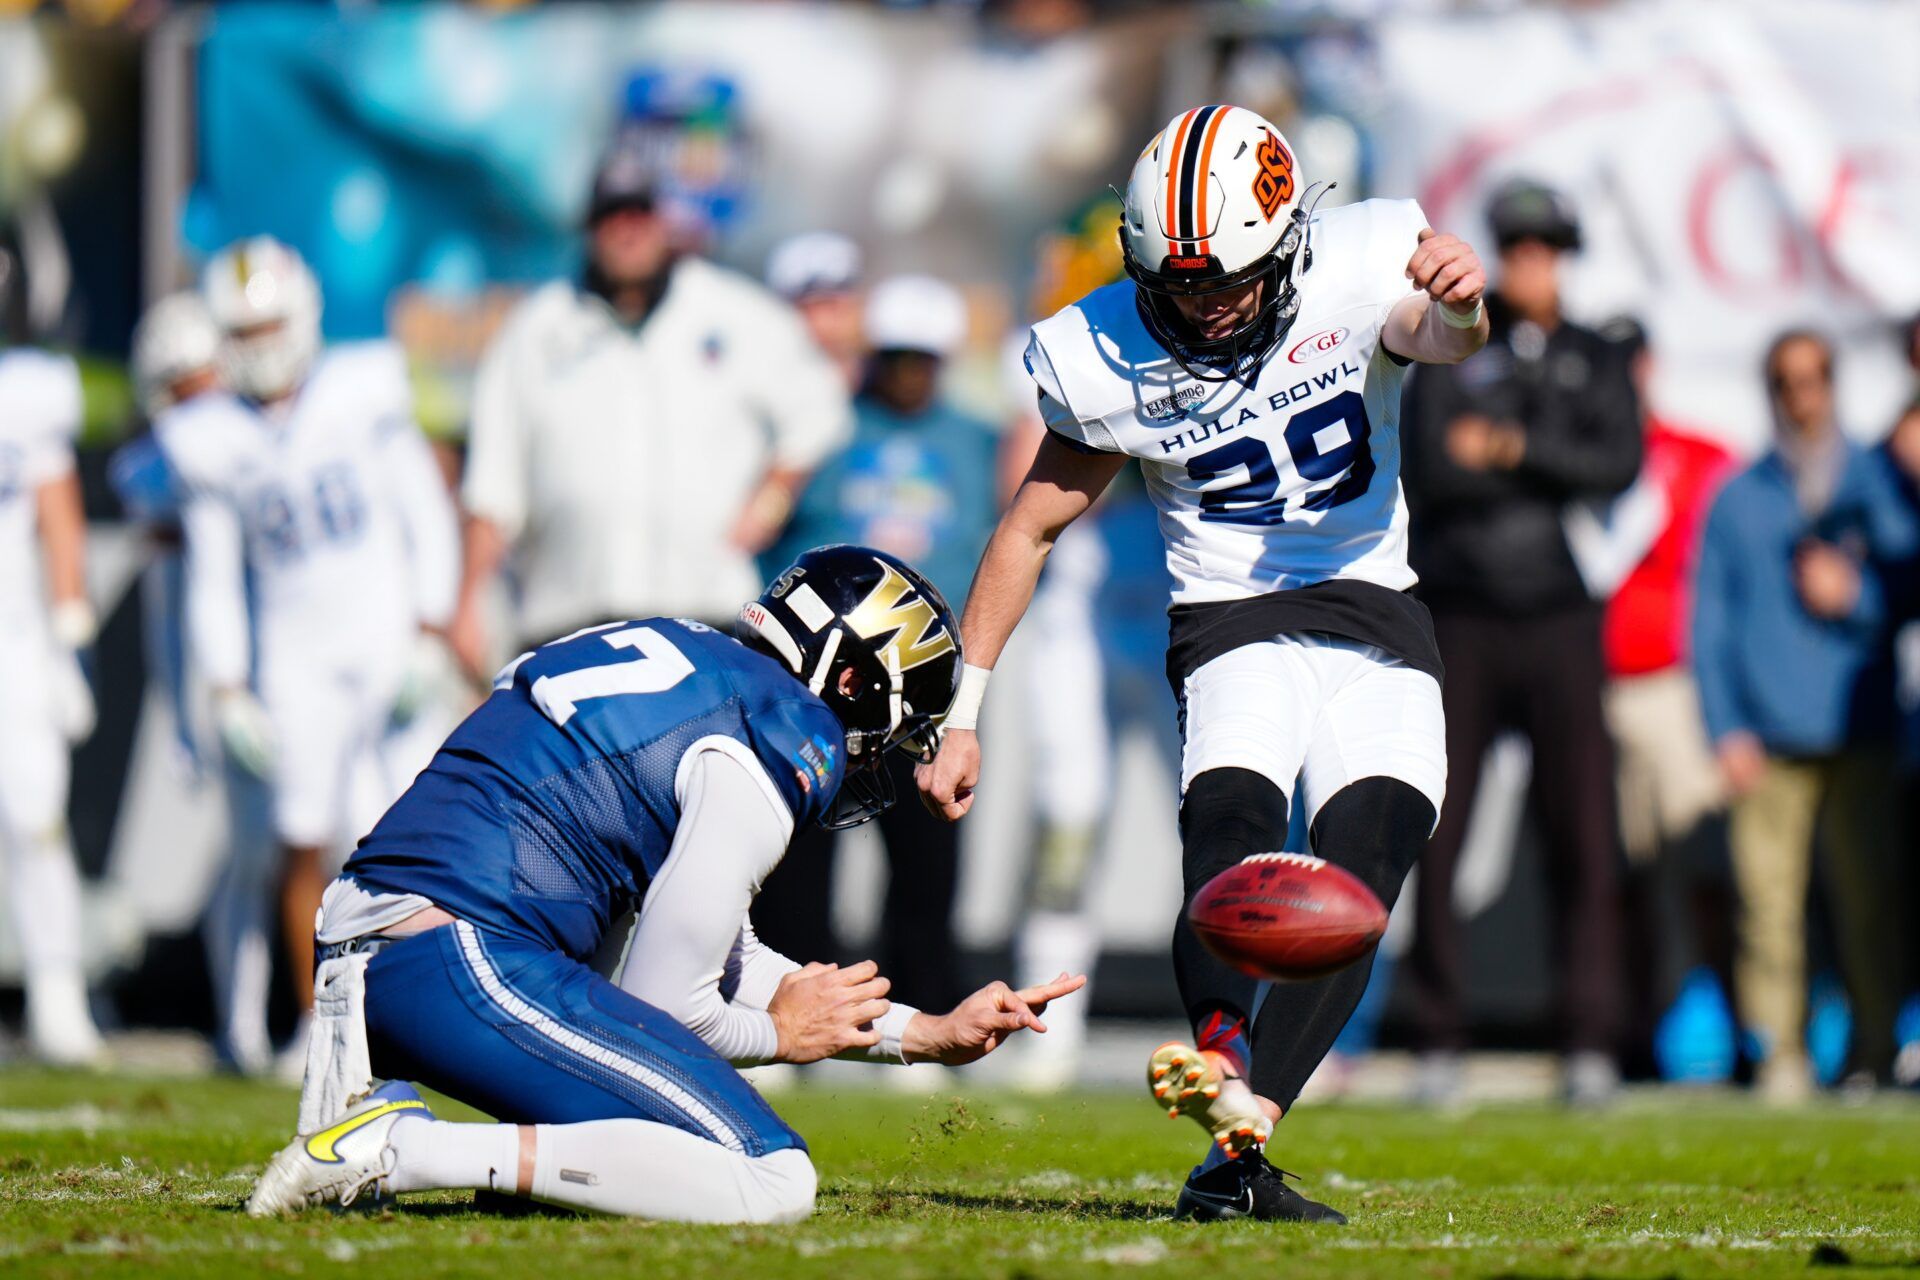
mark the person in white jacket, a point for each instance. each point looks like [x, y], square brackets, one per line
[638, 435]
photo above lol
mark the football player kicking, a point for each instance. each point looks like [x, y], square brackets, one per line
[1253, 364]
[657, 764]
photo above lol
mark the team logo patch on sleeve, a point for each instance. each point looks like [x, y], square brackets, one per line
[1169, 407]
[813, 762]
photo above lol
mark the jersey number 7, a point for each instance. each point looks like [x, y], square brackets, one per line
[1326, 440]
[660, 667]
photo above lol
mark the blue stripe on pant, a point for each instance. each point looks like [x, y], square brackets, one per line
[530, 1036]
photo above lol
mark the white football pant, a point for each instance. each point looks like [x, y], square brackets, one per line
[1320, 709]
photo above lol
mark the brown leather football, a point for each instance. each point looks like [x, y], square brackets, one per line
[1287, 916]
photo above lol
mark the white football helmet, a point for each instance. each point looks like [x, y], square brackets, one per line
[1216, 201]
[174, 340]
[267, 305]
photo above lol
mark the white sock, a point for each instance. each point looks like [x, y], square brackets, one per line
[1051, 943]
[238, 958]
[441, 1155]
[633, 1168]
[45, 887]
[640, 1169]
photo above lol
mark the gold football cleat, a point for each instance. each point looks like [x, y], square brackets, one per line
[1192, 1082]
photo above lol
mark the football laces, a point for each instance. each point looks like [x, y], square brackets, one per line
[1305, 861]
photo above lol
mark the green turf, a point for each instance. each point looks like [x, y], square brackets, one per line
[146, 1175]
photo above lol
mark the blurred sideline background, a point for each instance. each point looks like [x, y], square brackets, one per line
[1738, 167]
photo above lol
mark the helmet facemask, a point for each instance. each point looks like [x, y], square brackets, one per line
[271, 360]
[1225, 358]
[849, 688]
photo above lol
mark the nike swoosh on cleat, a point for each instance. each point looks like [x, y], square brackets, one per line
[321, 1145]
[1226, 1206]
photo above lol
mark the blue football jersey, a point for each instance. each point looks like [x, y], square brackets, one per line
[551, 807]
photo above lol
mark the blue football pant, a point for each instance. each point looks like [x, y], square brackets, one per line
[530, 1036]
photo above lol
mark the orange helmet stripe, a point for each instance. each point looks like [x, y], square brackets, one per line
[1173, 179]
[1200, 178]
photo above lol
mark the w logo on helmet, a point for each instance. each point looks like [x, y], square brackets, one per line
[895, 607]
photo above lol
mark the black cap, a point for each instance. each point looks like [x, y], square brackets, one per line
[1526, 210]
[628, 178]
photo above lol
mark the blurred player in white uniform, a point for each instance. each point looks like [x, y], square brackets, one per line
[45, 704]
[1253, 365]
[176, 358]
[321, 563]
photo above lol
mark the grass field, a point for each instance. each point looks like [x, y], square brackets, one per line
[129, 1175]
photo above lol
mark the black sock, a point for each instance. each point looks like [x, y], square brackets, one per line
[1227, 814]
[1376, 828]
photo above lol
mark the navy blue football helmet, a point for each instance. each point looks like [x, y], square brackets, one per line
[875, 641]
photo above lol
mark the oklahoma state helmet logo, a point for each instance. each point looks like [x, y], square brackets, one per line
[1273, 185]
[894, 606]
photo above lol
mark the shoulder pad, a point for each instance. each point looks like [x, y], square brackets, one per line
[805, 753]
[1089, 359]
[42, 393]
[1360, 252]
[199, 437]
[373, 373]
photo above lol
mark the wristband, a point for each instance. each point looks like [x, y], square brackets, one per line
[1449, 316]
[74, 624]
[965, 711]
[892, 1026]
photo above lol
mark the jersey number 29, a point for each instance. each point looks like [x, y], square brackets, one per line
[1325, 440]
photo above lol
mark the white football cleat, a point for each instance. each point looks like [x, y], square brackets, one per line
[338, 1163]
[1191, 1082]
[60, 1028]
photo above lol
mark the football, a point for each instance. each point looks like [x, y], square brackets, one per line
[1287, 916]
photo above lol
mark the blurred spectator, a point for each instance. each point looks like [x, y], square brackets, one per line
[918, 481]
[46, 706]
[638, 435]
[819, 273]
[1669, 786]
[1497, 448]
[1802, 553]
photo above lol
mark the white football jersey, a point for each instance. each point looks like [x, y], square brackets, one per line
[327, 511]
[1289, 481]
[39, 417]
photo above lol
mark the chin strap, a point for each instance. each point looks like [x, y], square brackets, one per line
[819, 679]
[1309, 205]
[896, 685]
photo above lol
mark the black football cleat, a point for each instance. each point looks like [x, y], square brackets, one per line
[1248, 1187]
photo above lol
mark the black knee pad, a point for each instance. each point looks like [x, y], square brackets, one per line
[1228, 814]
[1376, 828]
